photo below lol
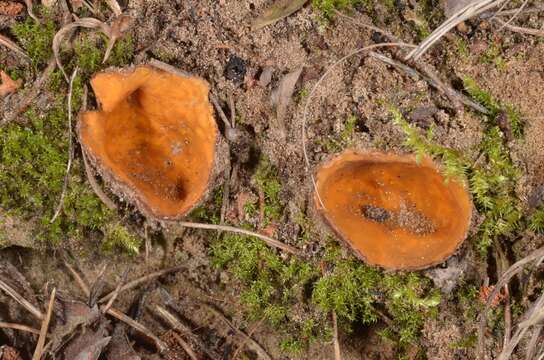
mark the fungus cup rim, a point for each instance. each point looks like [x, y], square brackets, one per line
[125, 192]
[405, 158]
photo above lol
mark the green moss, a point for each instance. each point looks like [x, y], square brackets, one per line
[117, 237]
[122, 53]
[36, 39]
[266, 178]
[339, 142]
[536, 222]
[328, 7]
[492, 183]
[89, 54]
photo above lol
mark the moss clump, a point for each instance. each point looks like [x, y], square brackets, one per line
[536, 222]
[328, 7]
[339, 142]
[36, 39]
[33, 161]
[118, 237]
[266, 179]
[492, 183]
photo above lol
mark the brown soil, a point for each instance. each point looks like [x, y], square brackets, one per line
[202, 37]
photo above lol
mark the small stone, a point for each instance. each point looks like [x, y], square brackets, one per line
[235, 70]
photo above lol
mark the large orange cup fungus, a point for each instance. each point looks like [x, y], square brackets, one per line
[393, 212]
[154, 140]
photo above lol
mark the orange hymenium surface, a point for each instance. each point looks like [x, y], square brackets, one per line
[154, 138]
[393, 212]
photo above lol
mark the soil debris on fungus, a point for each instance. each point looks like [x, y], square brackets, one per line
[392, 211]
[153, 139]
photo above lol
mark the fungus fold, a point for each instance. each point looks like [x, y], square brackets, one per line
[154, 138]
[393, 212]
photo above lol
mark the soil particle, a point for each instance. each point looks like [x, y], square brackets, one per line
[235, 70]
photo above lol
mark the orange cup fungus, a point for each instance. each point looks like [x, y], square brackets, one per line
[154, 139]
[393, 212]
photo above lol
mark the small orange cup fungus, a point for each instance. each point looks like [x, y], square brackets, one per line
[154, 140]
[392, 211]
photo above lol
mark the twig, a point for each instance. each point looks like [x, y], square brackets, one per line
[6, 325]
[70, 147]
[252, 343]
[134, 283]
[220, 111]
[115, 293]
[271, 242]
[114, 6]
[185, 347]
[118, 314]
[30, 10]
[13, 47]
[94, 184]
[505, 278]
[532, 346]
[21, 300]
[337, 353]
[469, 11]
[38, 352]
[176, 324]
[79, 280]
[32, 94]
[521, 30]
[311, 95]
[161, 346]
[250, 333]
[518, 11]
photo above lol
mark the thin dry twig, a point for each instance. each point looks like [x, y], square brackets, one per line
[471, 10]
[337, 352]
[505, 278]
[518, 11]
[255, 346]
[32, 94]
[70, 148]
[250, 334]
[89, 23]
[38, 352]
[13, 47]
[270, 241]
[21, 300]
[115, 293]
[521, 30]
[188, 350]
[161, 346]
[134, 283]
[94, 184]
[30, 10]
[21, 327]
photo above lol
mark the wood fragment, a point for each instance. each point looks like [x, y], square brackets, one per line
[21, 300]
[38, 352]
[521, 30]
[268, 240]
[20, 327]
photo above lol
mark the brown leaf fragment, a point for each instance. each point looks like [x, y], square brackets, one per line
[279, 10]
[282, 96]
[9, 353]
[10, 8]
[8, 85]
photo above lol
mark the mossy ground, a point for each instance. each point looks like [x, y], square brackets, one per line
[34, 150]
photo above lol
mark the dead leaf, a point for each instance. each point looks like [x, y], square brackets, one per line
[93, 351]
[279, 10]
[114, 6]
[13, 47]
[10, 8]
[282, 96]
[8, 85]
